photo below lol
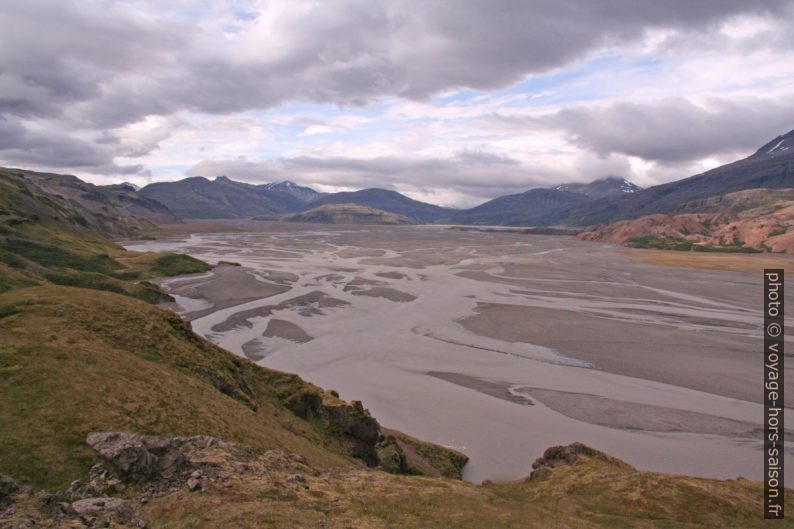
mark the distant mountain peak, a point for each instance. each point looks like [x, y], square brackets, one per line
[284, 184]
[603, 187]
[130, 185]
[783, 144]
[188, 179]
[286, 189]
[628, 187]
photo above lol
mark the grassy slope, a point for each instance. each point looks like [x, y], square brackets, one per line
[74, 361]
[596, 492]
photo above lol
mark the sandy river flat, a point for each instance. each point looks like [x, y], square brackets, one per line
[498, 344]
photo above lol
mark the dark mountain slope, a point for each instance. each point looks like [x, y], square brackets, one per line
[780, 146]
[536, 207]
[72, 204]
[222, 198]
[543, 206]
[127, 199]
[291, 196]
[199, 198]
[47, 238]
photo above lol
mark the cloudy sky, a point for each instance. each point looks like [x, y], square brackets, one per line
[450, 101]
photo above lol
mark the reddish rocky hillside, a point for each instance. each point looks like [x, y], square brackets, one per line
[751, 220]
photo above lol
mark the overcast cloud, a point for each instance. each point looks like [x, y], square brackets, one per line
[453, 101]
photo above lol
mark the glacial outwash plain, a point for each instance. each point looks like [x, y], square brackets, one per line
[498, 344]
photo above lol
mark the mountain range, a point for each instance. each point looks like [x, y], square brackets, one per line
[574, 204]
[223, 198]
[198, 197]
[201, 198]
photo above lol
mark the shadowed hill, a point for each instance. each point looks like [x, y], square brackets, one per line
[347, 214]
[536, 207]
[603, 188]
[291, 196]
[69, 203]
[390, 201]
[200, 198]
[223, 198]
[53, 229]
[543, 206]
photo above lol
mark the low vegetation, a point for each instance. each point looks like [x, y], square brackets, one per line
[660, 242]
[749, 221]
[276, 490]
[171, 264]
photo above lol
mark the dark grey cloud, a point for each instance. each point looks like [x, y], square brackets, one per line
[57, 53]
[352, 52]
[94, 66]
[38, 148]
[676, 130]
[124, 67]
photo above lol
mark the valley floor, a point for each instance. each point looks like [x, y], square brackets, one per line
[498, 344]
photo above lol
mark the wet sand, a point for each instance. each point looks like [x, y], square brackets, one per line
[224, 286]
[287, 330]
[457, 333]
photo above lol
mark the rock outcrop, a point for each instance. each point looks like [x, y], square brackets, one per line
[140, 468]
[208, 483]
[98, 511]
[557, 456]
[7, 487]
